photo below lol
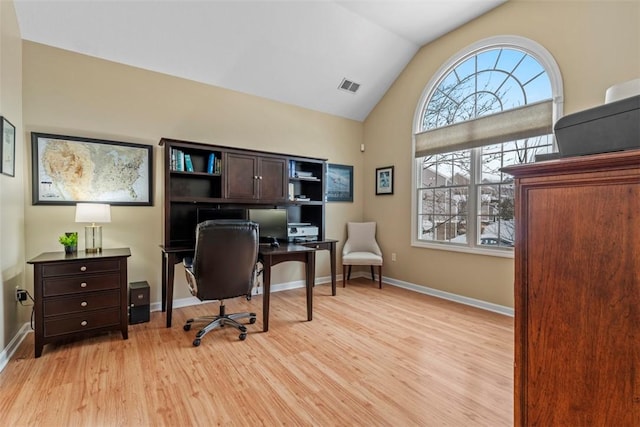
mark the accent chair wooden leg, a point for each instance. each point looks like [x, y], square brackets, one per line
[344, 276]
[349, 274]
[372, 276]
[379, 277]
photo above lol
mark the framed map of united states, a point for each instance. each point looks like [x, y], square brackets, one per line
[68, 170]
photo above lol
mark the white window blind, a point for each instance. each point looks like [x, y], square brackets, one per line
[524, 122]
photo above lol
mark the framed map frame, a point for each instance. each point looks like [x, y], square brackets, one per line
[67, 170]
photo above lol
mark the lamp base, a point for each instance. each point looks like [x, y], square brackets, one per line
[93, 238]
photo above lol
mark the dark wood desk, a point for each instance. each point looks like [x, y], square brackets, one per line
[327, 245]
[286, 252]
[269, 257]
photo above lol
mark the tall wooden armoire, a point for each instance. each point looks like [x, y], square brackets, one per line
[577, 291]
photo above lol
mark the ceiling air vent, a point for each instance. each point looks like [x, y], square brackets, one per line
[349, 86]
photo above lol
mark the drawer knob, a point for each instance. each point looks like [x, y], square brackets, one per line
[83, 284]
[140, 296]
[83, 323]
[83, 304]
[83, 268]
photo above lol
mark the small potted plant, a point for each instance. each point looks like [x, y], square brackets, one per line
[69, 241]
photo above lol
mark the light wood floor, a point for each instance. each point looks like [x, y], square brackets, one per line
[370, 357]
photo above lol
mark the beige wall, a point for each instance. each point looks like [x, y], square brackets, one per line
[71, 94]
[12, 189]
[596, 44]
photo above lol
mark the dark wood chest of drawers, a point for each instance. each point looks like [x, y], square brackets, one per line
[79, 294]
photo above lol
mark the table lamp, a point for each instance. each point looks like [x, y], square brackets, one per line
[93, 212]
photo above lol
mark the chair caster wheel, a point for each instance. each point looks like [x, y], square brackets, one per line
[252, 320]
[187, 327]
[243, 336]
[196, 342]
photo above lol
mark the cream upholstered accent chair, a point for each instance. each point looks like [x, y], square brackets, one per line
[361, 248]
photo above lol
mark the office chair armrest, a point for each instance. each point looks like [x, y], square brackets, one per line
[191, 279]
[187, 262]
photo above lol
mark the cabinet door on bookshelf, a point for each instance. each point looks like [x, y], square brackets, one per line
[242, 176]
[273, 176]
[256, 178]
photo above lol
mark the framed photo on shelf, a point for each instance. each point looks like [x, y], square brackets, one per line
[70, 169]
[339, 183]
[8, 148]
[384, 180]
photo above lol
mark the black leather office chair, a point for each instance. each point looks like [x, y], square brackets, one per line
[223, 267]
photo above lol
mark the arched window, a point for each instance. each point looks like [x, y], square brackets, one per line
[490, 106]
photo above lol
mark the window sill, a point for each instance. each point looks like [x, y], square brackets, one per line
[501, 253]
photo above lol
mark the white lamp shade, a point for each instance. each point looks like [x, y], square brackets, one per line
[93, 212]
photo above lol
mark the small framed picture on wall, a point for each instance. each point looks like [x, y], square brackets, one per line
[384, 180]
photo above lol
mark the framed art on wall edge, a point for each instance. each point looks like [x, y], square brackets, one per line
[8, 148]
[339, 183]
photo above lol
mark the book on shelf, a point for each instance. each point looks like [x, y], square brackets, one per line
[291, 191]
[187, 163]
[302, 174]
[177, 159]
[218, 166]
[211, 163]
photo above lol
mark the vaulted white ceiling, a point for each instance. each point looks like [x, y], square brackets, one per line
[296, 52]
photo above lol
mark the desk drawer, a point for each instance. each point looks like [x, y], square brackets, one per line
[317, 245]
[81, 322]
[80, 267]
[78, 284]
[81, 303]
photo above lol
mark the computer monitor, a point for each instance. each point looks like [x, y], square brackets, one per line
[272, 223]
[205, 214]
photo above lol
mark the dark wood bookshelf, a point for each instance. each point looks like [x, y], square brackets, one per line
[245, 179]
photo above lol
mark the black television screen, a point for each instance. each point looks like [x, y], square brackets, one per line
[205, 214]
[272, 223]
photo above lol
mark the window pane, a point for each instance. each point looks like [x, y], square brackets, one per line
[528, 69]
[496, 218]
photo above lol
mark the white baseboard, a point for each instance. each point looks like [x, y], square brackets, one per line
[6, 354]
[500, 309]
[13, 345]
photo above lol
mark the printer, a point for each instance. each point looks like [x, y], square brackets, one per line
[613, 126]
[301, 232]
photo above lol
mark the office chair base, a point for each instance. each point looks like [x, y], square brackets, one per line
[220, 321]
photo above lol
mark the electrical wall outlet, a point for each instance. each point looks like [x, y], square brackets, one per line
[393, 256]
[21, 295]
